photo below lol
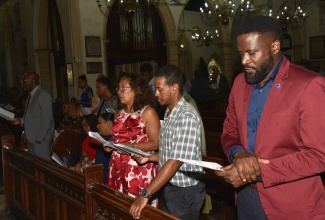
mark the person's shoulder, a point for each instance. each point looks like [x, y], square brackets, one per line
[303, 75]
[149, 111]
[89, 89]
[187, 110]
[43, 93]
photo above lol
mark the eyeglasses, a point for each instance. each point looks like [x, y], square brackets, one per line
[25, 81]
[122, 88]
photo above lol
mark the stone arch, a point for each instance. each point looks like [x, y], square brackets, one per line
[171, 38]
[41, 45]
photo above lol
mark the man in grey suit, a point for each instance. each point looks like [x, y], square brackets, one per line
[38, 120]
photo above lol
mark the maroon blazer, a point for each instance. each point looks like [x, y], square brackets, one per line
[291, 134]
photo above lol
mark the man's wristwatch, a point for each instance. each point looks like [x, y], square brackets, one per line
[145, 194]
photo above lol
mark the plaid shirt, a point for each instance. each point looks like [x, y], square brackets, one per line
[180, 138]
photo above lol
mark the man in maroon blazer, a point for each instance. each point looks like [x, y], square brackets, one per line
[274, 132]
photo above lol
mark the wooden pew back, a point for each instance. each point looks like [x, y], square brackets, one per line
[39, 189]
[213, 124]
[213, 145]
[68, 140]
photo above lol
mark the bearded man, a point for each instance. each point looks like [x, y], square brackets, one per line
[273, 134]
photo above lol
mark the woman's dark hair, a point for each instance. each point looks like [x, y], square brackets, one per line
[143, 95]
[108, 116]
[92, 121]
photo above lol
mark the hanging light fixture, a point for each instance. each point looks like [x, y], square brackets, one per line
[205, 39]
[208, 37]
[289, 19]
[126, 7]
[225, 12]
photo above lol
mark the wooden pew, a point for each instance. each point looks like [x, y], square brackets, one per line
[213, 113]
[213, 145]
[106, 203]
[39, 189]
[213, 124]
[68, 140]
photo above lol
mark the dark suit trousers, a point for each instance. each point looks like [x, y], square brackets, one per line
[249, 206]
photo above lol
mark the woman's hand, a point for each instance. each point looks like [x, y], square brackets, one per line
[107, 149]
[140, 159]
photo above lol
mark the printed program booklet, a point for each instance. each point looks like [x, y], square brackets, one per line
[57, 159]
[6, 114]
[120, 147]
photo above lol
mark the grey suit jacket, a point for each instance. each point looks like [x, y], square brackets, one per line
[38, 119]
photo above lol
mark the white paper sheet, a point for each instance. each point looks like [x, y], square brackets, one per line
[206, 164]
[6, 114]
[121, 147]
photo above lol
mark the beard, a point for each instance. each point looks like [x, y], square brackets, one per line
[261, 72]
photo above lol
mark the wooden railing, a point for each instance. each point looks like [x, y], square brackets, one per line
[39, 189]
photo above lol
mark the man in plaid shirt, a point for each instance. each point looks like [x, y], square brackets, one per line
[179, 138]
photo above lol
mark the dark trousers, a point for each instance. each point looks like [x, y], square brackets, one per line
[249, 206]
[183, 202]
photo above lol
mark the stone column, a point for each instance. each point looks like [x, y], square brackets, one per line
[44, 63]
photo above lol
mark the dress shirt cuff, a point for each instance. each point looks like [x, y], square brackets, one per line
[234, 150]
[259, 179]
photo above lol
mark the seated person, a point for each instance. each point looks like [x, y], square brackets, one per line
[69, 119]
[89, 145]
[16, 101]
[76, 106]
[105, 124]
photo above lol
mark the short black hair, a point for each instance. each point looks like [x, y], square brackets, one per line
[92, 121]
[83, 77]
[108, 116]
[106, 82]
[260, 24]
[146, 68]
[172, 74]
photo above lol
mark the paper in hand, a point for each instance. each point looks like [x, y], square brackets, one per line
[120, 147]
[206, 164]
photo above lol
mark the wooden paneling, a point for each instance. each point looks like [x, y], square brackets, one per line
[39, 189]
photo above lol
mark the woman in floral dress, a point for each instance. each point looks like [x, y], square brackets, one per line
[136, 124]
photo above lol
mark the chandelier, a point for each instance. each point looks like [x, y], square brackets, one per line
[205, 39]
[223, 13]
[126, 7]
[208, 37]
[288, 18]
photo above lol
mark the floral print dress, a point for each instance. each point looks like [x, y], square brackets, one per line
[125, 174]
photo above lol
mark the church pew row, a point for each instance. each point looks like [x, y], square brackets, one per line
[213, 145]
[69, 140]
[215, 187]
[39, 189]
[213, 114]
